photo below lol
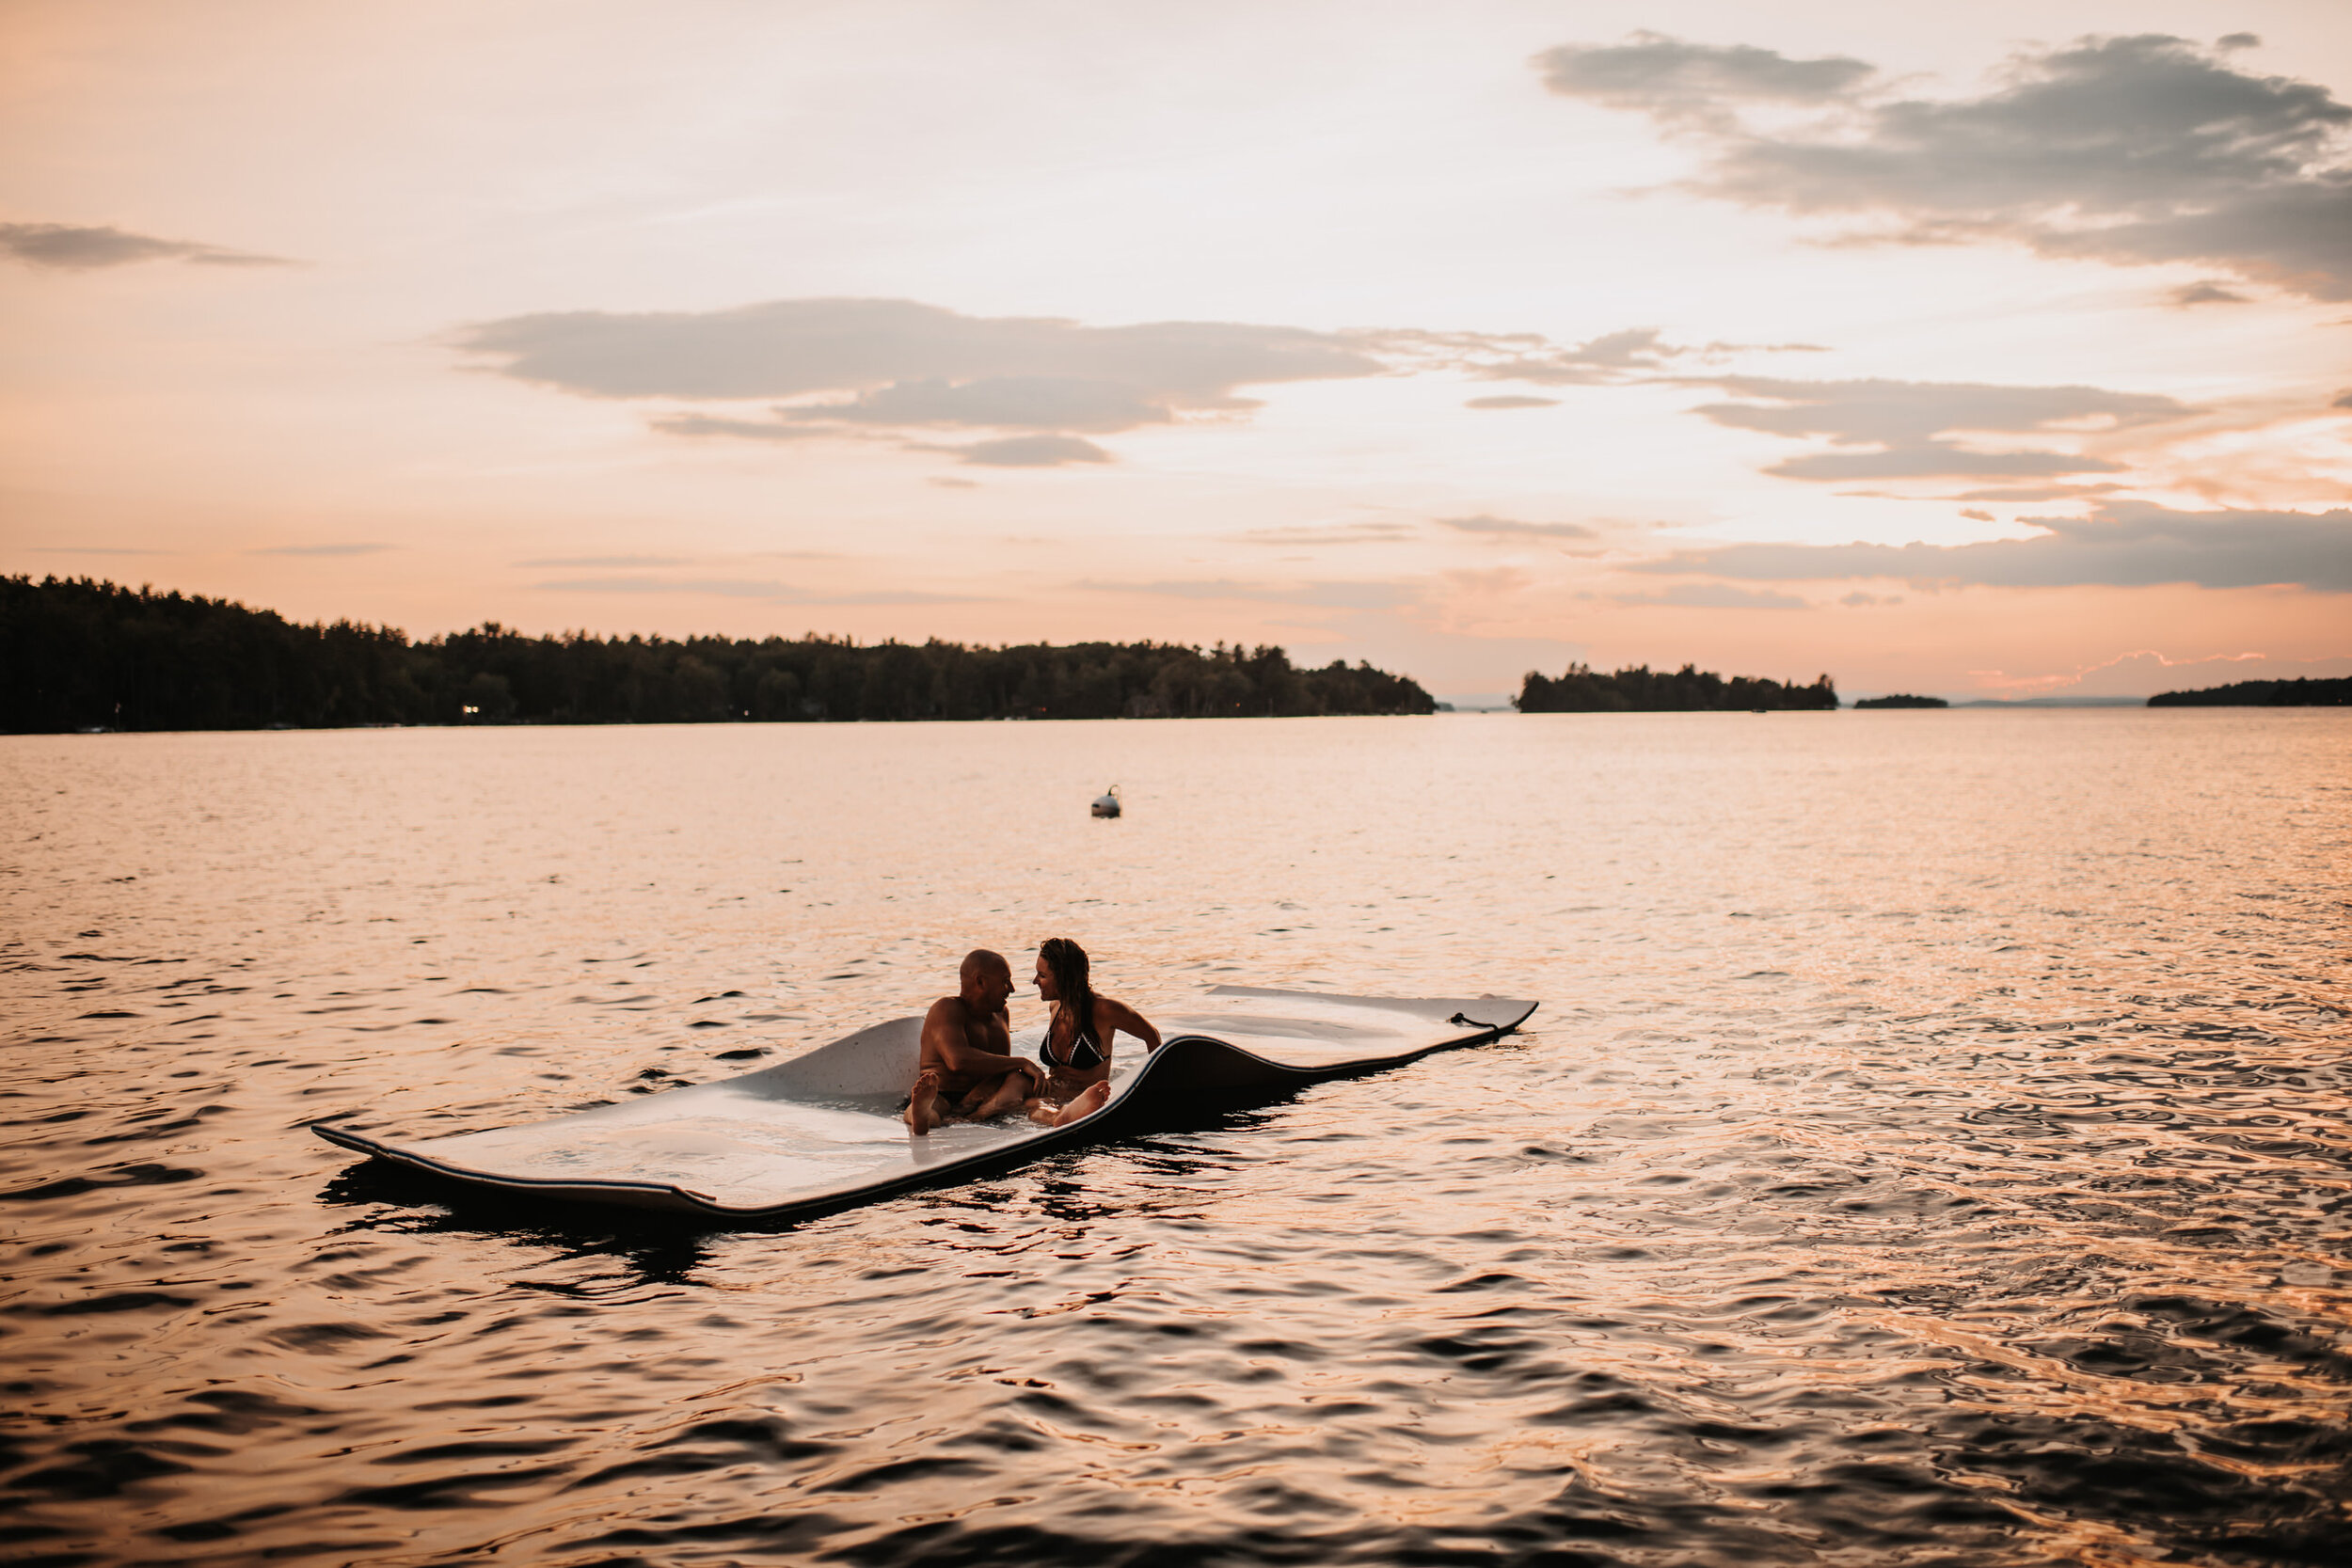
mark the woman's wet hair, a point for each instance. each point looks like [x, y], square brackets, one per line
[1067, 963]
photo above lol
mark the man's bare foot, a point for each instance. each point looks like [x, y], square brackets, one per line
[922, 1111]
[1095, 1097]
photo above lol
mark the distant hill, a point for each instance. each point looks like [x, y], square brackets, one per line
[1642, 689]
[2299, 692]
[82, 653]
[1902, 699]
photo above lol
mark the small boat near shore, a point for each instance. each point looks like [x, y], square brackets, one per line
[822, 1132]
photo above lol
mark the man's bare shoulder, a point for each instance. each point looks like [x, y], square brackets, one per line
[951, 1009]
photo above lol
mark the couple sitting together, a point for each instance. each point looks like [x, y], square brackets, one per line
[968, 1072]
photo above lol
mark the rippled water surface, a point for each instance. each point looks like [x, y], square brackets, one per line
[1933, 1146]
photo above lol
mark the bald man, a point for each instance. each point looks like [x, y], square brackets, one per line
[968, 1072]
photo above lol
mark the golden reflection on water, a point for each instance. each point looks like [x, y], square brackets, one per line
[1932, 1147]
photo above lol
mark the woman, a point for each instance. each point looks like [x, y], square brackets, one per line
[1079, 1030]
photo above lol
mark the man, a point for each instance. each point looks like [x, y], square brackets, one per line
[967, 1072]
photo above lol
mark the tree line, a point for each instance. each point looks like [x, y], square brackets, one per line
[1642, 689]
[2302, 692]
[85, 653]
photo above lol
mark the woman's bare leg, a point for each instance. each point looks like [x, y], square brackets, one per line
[1085, 1104]
[1046, 1109]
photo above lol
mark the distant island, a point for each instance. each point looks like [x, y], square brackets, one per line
[83, 654]
[1689, 689]
[2301, 691]
[1902, 699]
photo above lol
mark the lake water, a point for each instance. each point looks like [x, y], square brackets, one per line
[1932, 1147]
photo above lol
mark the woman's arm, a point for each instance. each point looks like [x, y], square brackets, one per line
[1110, 1013]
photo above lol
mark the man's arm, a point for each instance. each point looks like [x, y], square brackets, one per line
[945, 1041]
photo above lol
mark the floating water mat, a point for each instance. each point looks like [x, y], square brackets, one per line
[822, 1131]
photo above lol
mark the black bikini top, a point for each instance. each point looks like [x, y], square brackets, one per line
[1085, 1055]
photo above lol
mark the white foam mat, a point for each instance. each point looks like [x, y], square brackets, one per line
[822, 1131]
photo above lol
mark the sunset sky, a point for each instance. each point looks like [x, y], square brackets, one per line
[1990, 350]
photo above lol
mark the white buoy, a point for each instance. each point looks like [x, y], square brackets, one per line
[1107, 803]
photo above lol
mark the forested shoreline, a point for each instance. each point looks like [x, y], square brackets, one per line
[2302, 692]
[1689, 689]
[83, 654]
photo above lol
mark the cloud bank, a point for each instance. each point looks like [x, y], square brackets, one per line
[886, 370]
[1668, 79]
[901, 363]
[1505, 527]
[1912, 429]
[867, 367]
[69, 247]
[1032, 452]
[2123, 543]
[2132, 149]
[1613, 358]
